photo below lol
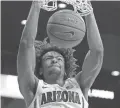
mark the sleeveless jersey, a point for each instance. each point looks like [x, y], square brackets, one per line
[55, 96]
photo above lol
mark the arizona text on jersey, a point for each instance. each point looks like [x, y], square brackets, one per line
[54, 96]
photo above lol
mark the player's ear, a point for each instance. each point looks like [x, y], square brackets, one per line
[65, 76]
[41, 76]
[41, 71]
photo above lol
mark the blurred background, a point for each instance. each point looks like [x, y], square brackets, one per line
[105, 92]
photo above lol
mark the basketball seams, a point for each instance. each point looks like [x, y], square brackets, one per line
[67, 26]
[73, 15]
[76, 16]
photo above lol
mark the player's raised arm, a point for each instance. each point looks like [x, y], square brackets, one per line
[26, 55]
[94, 58]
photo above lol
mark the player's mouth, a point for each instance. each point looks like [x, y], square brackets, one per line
[55, 65]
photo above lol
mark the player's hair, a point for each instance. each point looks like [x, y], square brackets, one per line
[42, 48]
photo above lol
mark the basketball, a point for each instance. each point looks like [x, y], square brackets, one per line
[66, 28]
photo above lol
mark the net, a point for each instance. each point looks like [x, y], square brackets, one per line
[81, 6]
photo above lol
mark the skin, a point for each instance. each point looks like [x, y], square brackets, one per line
[26, 58]
[53, 68]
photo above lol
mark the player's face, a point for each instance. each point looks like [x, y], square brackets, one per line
[53, 65]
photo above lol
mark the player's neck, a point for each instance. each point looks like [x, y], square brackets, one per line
[60, 82]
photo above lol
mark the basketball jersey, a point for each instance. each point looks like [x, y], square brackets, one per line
[55, 96]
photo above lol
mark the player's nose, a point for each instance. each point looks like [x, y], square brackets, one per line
[54, 60]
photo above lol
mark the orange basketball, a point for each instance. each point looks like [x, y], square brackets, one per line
[66, 28]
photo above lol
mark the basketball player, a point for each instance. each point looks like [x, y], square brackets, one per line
[56, 90]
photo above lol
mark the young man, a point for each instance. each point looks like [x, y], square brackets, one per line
[54, 64]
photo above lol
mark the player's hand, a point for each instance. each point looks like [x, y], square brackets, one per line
[39, 3]
[89, 2]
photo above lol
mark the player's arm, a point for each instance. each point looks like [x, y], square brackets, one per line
[94, 58]
[26, 55]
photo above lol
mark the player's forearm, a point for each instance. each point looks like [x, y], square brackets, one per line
[93, 35]
[30, 30]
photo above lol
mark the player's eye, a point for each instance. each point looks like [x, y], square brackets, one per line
[48, 58]
[60, 59]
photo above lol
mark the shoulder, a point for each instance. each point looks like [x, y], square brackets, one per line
[38, 89]
[83, 89]
[73, 83]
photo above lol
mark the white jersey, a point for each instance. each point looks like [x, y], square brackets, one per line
[55, 96]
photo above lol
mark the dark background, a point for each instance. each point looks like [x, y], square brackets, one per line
[107, 15]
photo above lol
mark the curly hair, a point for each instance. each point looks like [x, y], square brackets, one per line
[42, 48]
